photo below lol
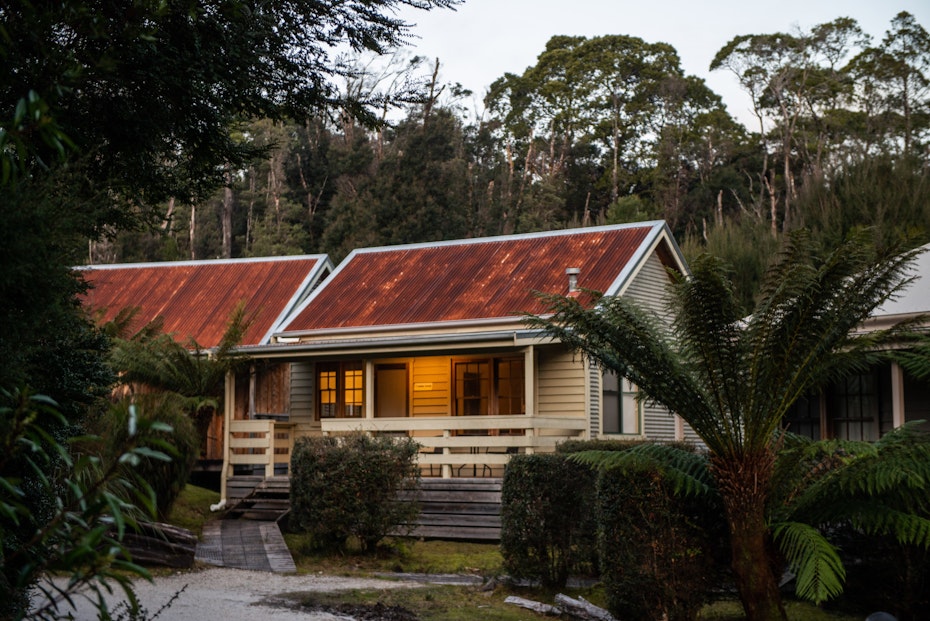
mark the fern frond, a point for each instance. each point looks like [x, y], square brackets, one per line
[817, 566]
[687, 471]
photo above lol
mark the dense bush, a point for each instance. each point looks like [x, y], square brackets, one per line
[547, 519]
[657, 547]
[349, 486]
[883, 574]
[166, 477]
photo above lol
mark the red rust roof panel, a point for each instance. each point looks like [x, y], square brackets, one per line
[196, 299]
[467, 280]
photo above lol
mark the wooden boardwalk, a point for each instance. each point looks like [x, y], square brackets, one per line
[245, 544]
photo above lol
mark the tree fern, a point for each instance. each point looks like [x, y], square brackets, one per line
[686, 470]
[817, 566]
[733, 379]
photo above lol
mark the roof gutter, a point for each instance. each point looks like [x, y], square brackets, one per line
[515, 338]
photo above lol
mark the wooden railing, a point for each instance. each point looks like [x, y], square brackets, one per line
[260, 442]
[449, 445]
[476, 443]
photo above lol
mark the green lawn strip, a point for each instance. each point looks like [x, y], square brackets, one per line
[192, 508]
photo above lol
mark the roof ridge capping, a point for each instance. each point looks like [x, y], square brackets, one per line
[654, 224]
[205, 262]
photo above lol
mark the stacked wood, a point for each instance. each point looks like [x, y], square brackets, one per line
[163, 545]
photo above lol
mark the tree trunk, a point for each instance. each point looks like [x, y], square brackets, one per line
[193, 232]
[227, 215]
[743, 483]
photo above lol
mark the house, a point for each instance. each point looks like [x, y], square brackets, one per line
[195, 300]
[427, 340]
[867, 405]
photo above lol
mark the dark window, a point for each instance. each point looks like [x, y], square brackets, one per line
[859, 407]
[612, 418]
[804, 417]
[619, 410]
[494, 386]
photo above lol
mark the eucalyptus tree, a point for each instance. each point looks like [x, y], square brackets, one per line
[732, 378]
[893, 87]
[588, 104]
[798, 88]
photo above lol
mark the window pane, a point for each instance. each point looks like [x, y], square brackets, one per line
[859, 408]
[328, 392]
[612, 408]
[471, 388]
[353, 393]
[510, 390]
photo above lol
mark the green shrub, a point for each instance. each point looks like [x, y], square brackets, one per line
[166, 477]
[578, 446]
[349, 486]
[656, 547]
[547, 520]
[883, 574]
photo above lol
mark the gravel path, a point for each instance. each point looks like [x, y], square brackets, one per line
[222, 594]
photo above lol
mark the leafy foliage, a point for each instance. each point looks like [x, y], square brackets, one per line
[355, 485]
[547, 527]
[153, 361]
[661, 550]
[733, 378]
[80, 537]
[170, 432]
[148, 96]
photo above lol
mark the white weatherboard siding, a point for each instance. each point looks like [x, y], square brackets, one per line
[658, 424]
[303, 398]
[596, 399]
[649, 288]
[302, 384]
[560, 383]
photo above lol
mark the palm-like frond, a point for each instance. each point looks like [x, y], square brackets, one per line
[686, 470]
[880, 488]
[817, 566]
[632, 341]
[162, 363]
[916, 360]
[733, 380]
[802, 332]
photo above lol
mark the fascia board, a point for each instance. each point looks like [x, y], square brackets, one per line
[322, 267]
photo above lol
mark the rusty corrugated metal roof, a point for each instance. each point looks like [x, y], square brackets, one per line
[468, 280]
[195, 299]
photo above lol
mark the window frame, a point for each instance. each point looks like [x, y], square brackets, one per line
[343, 371]
[492, 399]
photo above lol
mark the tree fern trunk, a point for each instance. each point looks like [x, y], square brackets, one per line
[743, 484]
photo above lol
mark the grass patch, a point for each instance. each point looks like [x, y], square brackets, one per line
[432, 603]
[401, 556]
[457, 603]
[192, 508]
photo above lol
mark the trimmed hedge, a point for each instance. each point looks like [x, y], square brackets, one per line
[348, 486]
[657, 549]
[547, 519]
[660, 555]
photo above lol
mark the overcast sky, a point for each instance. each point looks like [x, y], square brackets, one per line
[484, 39]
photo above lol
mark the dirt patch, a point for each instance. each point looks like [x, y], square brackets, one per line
[365, 612]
